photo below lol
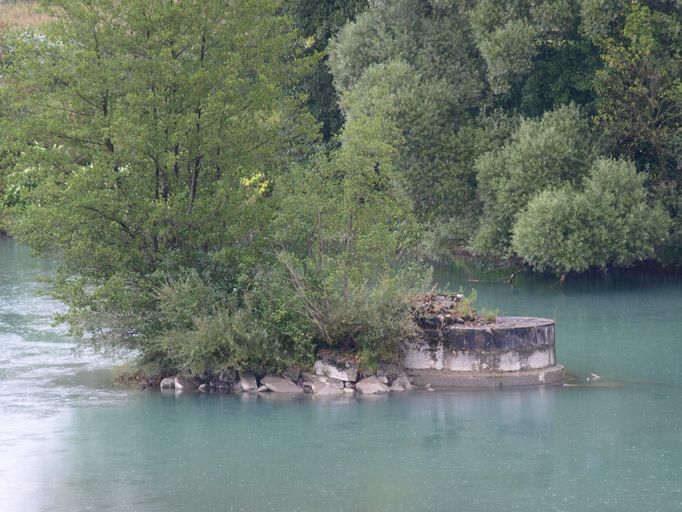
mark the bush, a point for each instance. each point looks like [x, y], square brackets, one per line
[542, 154]
[608, 222]
[263, 331]
[370, 318]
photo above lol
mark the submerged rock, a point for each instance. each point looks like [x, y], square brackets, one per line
[371, 386]
[247, 381]
[168, 383]
[280, 384]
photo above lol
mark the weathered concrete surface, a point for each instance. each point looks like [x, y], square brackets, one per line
[510, 344]
[445, 379]
[513, 351]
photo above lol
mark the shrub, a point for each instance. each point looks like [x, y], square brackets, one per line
[542, 154]
[608, 222]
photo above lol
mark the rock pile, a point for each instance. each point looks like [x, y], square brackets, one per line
[333, 374]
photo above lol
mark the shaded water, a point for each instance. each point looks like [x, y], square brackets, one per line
[69, 441]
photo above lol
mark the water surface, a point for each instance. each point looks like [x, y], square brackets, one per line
[70, 441]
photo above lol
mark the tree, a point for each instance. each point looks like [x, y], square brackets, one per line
[546, 153]
[640, 90]
[415, 64]
[318, 22]
[342, 223]
[151, 120]
[608, 222]
[535, 56]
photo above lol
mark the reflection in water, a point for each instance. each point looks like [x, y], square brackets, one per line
[68, 441]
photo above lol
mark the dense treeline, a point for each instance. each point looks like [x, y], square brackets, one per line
[237, 184]
[504, 104]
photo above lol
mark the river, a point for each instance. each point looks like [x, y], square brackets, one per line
[69, 441]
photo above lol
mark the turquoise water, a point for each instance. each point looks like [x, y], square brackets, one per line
[69, 441]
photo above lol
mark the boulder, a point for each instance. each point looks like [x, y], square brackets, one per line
[293, 373]
[311, 382]
[371, 386]
[247, 381]
[320, 385]
[262, 389]
[168, 383]
[183, 383]
[337, 367]
[280, 384]
[330, 389]
[388, 372]
[401, 383]
[203, 387]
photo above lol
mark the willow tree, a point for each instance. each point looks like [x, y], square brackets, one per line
[141, 121]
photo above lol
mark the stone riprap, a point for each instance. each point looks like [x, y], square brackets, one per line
[379, 381]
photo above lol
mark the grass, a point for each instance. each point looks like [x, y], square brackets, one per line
[21, 14]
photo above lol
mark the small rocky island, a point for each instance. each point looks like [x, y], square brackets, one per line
[453, 348]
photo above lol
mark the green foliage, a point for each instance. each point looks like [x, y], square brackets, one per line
[432, 37]
[177, 171]
[509, 50]
[464, 308]
[367, 317]
[541, 154]
[607, 222]
[265, 331]
[640, 90]
[601, 20]
[318, 22]
[343, 220]
[535, 57]
[147, 148]
[415, 64]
